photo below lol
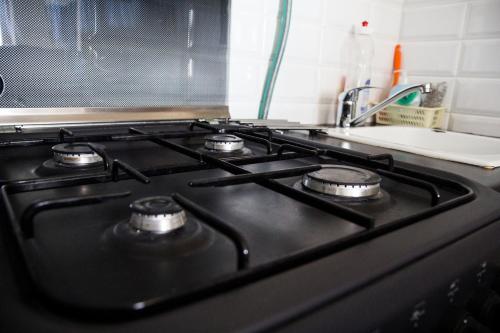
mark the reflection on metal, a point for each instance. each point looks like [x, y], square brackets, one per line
[107, 53]
[47, 116]
[282, 124]
[7, 31]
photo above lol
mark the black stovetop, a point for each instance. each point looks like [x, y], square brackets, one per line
[248, 216]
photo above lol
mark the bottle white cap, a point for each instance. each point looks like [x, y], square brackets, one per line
[363, 29]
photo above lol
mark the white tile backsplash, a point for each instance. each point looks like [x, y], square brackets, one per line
[287, 89]
[306, 113]
[457, 41]
[478, 96]
[483, 19]
[334, 47]
[480, 58]
[245, 40]
[245, 6]
[410, 3]
[246, 77]
[433, 22]
[385, 19]
[384, 54]
[311, 75]
[344, 14]
[475, 124]
[431, 58]
[331, 82]
[307, 10]
[304, 40]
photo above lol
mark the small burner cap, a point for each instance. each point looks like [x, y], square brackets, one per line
[343, 181]
[224, 142]
[157, 214]
[76, 154]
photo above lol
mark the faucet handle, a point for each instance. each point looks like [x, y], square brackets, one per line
[366, 87]
[347, 101]
[352, 94]
[358, 89]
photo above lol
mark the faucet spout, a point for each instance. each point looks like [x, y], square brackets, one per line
[350, 104]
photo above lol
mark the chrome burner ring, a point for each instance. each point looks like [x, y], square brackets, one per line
[76, 154]
[224, 143]
[343, 181]
[159, 215]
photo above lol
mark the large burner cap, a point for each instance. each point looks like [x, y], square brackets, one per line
[224, 142]
[157, 214]
[76, 154]
[343, 181]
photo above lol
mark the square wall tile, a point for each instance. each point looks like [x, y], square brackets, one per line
[246, 79]
[480, 58]
[304, 42]
[296, 83]
[346, 14]
[331, 84]
[247, 33]
[384, 55]
[245, 6]
[336, 46]
[430, 58]
[305, 113]
[385, 19]
[478, 96]
[307, 10]
[475, 124]
[432, 22]
[483, 19]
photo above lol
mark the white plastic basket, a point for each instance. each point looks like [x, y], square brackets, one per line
[412, 116]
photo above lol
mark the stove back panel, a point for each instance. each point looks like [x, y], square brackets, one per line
[61, 53]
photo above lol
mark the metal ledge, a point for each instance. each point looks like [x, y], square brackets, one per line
[30, 117]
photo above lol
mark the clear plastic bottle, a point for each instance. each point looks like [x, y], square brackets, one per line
[360, 74]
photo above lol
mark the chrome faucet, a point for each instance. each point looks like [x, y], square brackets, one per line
[346, 113]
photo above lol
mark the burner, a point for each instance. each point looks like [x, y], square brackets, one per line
[76, 155]
[159, 215]
[224, 143]
[343, 181]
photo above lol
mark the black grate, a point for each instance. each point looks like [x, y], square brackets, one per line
[282, 148]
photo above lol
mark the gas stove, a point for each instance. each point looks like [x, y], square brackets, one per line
[192, 226]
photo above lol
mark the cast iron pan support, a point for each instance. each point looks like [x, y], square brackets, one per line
[27, 224]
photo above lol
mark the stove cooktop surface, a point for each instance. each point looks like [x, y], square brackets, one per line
[134, 220]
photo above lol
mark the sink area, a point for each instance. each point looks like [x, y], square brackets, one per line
[458, 147]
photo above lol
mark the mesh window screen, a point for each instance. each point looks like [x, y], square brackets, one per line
[68, 53]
